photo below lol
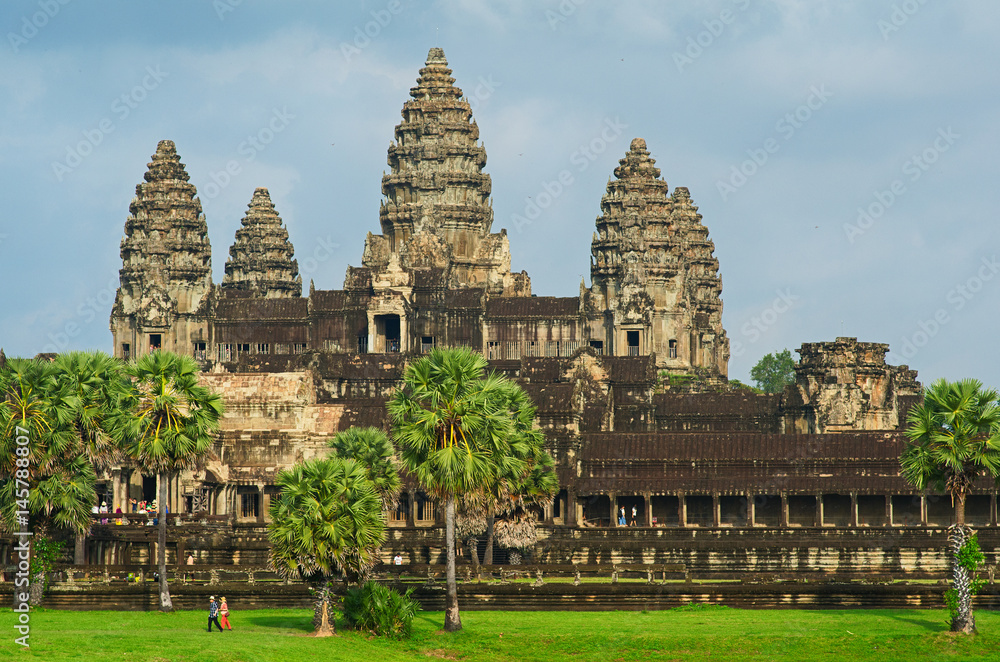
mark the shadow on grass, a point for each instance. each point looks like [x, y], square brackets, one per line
[917, 621]
[300, 624]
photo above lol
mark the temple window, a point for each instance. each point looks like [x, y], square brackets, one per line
[632, 339]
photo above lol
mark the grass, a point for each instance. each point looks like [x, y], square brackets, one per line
[687, 633]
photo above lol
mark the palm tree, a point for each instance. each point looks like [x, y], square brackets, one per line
[510, 496]
[372, 448]
[96, 386]
[954, 438]
[454, 429]
[170, 427]
[327, 521]
[60, 490]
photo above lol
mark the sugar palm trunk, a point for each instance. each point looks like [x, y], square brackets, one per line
[452, 619]
[490, 520]
[964, 621]
[166, 604]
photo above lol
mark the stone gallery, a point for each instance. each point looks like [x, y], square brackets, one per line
[629, 375]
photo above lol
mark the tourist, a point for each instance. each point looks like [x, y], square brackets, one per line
[397, 559]
[632, 522]
[104, 511]
[224, 613]
[213, 614]
[135, 505]
[190, 560]
[621, 516]
[118, 512]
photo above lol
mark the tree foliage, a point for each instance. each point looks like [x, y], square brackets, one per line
[328, 521]
[373, 450]
[774, 371]
[168, 424]
[953, 438]
[459, 431]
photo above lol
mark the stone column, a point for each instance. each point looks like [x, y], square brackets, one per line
[993, 509]
[783, 519]
[819, 510]
[572, 516]
[923, 510]
[682, 509]
[648, 496]
[260, 504]
[116, 491]
[411, 511]
[751, 510]
[888, 510]
[854, 509]
[716, 511]
[613, 499]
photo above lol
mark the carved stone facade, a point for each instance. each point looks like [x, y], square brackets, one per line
[164, 301]
[653, 272]
[847, 385]
[295, 370]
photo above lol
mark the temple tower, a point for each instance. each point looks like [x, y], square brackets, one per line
[655, 286]
[261, 260]
[437, 212]
[166, 276]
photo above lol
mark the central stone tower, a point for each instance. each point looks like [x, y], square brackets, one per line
[437, 213]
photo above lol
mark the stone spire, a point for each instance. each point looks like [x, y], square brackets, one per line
[261, 260]
[166, 272]
[437, 211]
[634, 239]
[652, 266]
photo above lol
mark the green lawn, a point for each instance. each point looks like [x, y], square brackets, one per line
[680, 634]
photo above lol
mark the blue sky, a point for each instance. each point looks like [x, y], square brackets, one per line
[843, 154]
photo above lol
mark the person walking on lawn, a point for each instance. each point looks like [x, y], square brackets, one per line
[224, 614]
[213, 614]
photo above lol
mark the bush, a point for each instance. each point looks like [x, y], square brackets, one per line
[380, 610]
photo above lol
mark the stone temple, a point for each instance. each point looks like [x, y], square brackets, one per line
[630, 375]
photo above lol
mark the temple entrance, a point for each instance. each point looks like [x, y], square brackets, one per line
[387, 337]
[148, 488]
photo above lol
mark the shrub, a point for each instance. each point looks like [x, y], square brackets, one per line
[380, 610]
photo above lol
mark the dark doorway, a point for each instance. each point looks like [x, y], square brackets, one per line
[148, 488]
[154, 342]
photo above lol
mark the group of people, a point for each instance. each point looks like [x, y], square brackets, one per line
[621, 516]
[218, 611]
[143, 507]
